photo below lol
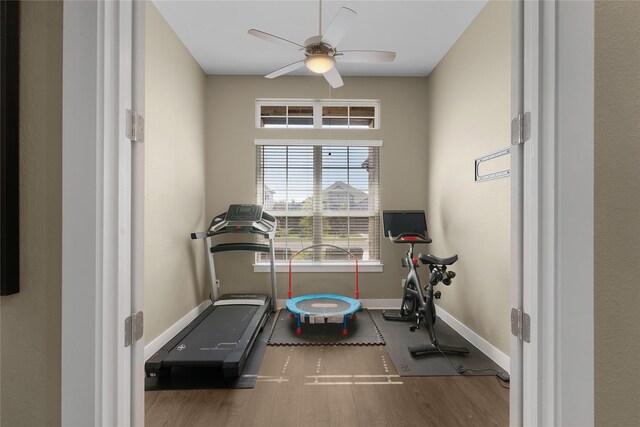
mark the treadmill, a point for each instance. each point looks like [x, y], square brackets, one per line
[222, 335]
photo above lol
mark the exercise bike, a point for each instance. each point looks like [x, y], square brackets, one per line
[418, 307]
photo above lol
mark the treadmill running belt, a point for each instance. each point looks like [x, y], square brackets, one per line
[214, 338]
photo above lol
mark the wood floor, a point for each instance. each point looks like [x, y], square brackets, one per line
[335, 386]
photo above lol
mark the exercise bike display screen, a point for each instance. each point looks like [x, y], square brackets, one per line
[398, 222]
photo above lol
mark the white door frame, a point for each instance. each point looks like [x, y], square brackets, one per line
[517, 194]
[137, 214]
[96, 370]
[556, 377]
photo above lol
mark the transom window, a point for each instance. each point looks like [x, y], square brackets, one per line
[321, 114]
[321, 192]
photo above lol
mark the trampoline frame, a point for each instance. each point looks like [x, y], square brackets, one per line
[354, 303]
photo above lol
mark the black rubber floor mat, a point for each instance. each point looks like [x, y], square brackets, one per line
[362, 331]
[399, 337]
[208, 378]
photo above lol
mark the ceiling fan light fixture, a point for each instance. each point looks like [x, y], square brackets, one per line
[319, 63]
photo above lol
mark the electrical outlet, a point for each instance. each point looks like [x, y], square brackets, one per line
[402, 282]
[217, 283]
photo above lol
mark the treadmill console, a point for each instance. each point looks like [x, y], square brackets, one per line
[244, 213]
[243, 219]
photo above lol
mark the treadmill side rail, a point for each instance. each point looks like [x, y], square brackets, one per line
[234, 363]
[153, 366]
[231, 362]
[239, 302]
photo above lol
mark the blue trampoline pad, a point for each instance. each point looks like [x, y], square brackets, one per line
[325, 307]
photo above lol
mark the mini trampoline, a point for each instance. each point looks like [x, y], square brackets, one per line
[323, 308]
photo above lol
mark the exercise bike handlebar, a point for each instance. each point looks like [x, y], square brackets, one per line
[409, 237]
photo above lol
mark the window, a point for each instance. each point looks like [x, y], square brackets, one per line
[321, 192]
[286, 116]
[348, 117]
[322, 114]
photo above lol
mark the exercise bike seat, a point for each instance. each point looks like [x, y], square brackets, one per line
[432, 260]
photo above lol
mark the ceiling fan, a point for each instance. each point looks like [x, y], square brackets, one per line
[321, 51]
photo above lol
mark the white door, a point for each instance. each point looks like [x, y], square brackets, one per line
[98, 387]
[530, 212]
[554, 373]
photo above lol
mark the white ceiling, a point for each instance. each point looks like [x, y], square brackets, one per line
[215, 32]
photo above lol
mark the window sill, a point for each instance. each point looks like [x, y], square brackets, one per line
[325, 267]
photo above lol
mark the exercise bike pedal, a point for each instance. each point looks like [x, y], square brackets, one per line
[396, 317]
[413, 328]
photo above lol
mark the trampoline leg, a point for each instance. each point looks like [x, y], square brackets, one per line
[344, 326]
[299, 329]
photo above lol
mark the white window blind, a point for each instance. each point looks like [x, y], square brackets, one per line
[321, 194]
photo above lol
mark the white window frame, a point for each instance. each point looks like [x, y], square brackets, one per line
[321, 267]
[317, 105]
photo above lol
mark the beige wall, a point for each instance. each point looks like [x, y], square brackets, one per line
[30, 320]
[174, 177]
[231, 161]
[617, 209]
[469, 99]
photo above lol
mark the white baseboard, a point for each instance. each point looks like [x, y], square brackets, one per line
[483, 345]
[155, 345]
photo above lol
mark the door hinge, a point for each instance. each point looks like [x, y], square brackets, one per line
[135, 126]
[521, 129]
[133, 328]
[521, 324]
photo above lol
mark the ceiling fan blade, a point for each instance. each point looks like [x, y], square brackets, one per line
[338, 27]
[273, 39]
[333, 77]
[286, 69]
[366, 56]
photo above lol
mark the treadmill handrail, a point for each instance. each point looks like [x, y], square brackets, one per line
[204, 234]
[231, 247]
[220, 224]
[200, 235]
